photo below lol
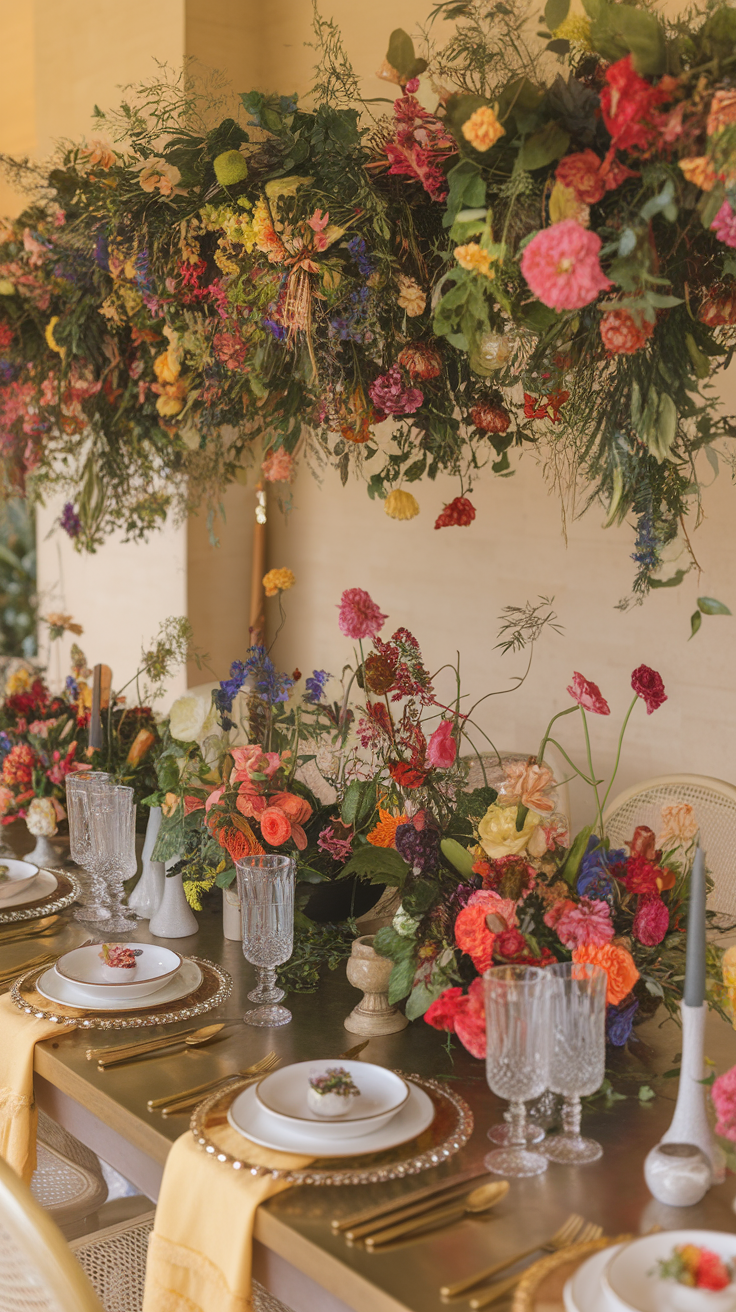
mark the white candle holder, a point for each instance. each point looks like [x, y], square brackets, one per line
[690, 1122]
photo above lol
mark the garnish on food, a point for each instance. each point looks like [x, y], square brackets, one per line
[118, 955]
[698, 1268]
[4, 874]
[329, 1094]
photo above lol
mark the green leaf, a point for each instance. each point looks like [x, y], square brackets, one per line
[401, 55]
[543, 147]
[419, 898]
[569, 870]
[709, 606]
[558, 47]
[387, 942]
[673, 582]
[421, 997]
[555, 12]
[458, 856]
[621, 29]
[382, 865]
[699, 361]
[352, 802]
[225, 877]
[696, 619]
[401, 980]
[467, 190]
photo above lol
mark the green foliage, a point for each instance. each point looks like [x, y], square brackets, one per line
[18, 603]
[379, 865]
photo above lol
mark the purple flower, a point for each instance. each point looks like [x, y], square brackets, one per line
[724, 225]
[70, 521]
[71, 688]
[315, 686]
[339, 848]
[5, 745]
[594, 879]
[356, 246]
[620, 1022]
[276, 330]
[390, 394]
[420, 848]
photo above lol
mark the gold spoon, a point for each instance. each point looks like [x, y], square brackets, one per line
[111, 1056]
[480, 1200]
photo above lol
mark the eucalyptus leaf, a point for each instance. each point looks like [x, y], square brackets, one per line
[696, 619]
[709, 606]
[555, 12]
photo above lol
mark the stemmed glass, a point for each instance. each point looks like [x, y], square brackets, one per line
[578, 1053]
[517, 1056]
[266, 890]
[110, 816]
[79, 840]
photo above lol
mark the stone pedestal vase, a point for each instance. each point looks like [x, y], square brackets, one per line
[370, 972]
[148, 893]
[174, 918]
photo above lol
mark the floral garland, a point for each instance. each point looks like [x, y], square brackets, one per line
[534, 262]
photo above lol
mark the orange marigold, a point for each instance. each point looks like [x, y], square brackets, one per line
[278, 580]
[618, 965]
[384, 833]
[482, 130]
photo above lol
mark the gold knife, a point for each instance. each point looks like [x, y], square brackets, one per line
[452, 1195]
[435, 1192]
[143, 1049]
[94, 1054]
[38, 927]
[6, 976]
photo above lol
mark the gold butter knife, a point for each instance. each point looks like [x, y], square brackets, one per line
[193, 1039]
[479, 1200]
[433, 1194]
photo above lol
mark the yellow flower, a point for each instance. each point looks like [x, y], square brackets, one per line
[575, 29]
[170, 804]
[476, 260]
[498, 833]
[278, 580]
[564, 204]
[411, 297]
[401, 505]
[699, 170]
[51, 340]
[19, 681]
[482, 130]
[172, 399]
[167, 365]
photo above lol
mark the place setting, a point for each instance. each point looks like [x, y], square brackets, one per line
[29, 892]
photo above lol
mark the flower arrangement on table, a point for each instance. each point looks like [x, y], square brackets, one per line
[514, 256]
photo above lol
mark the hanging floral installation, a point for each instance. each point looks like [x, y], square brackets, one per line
[530, 249]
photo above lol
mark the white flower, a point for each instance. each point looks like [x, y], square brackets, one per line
[404, 924]
[187, 718]
[327, 761]
[41, 817]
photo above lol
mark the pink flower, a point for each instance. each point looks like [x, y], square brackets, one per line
[651, 921]
[464, 1014]
[648, 685]
[562, 268]
[442, 748]
[359, 616]
[248, 761]
[278, 467]
[586, 925]
[723, 1094]
[588, 695]
[390, 394]
[339, 848]
[724, 225]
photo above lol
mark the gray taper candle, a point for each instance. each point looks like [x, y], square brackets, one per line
[694, 993]
[95, 720]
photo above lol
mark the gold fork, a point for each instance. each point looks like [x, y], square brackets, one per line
[175, 1101]
[567, 1234]
[504, 1287]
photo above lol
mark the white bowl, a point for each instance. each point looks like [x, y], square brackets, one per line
[84, 969]
[633, 1284]
[283, 1094]
[19, 875]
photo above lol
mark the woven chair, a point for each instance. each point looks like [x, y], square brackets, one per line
[68, 1180]
[714, 803]
[494, 774]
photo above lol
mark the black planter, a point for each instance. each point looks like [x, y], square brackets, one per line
[338, 899]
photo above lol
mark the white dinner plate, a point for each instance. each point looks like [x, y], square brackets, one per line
[57, 989]
[18, 877]
[382, 1095]
[249, 1118]
[84, 968]
[44, 883]
[584, 1290]
[631, 1278]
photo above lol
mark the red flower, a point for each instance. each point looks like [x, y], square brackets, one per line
[623, 333]
[548, 407]
[651, 922]
[406, 776]
[641, 876]
[643, 843]
[648, 685]
[511, 945]
[441, 1013]
[6, 336]
[719, 307]
[628, 104]
[712, 1271]
[459, 512]
[421, 360]
[588, 695]
[490, 418]
[463, 1014]
[581, 172]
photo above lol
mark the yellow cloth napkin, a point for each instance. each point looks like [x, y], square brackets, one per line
[19, 1034]
[200, 1252]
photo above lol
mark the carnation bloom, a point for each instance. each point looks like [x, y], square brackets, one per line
[278, 467]
[618, 965]
[588, 695]
[278, 580]
[458, 513]
[651, 922]
[628, 104]
[442, 748]
[623, 333]
[411, 298]
[463, 1014]
[475, 259]
[401, 505]
[482, 130]
[648, 685]
[490, 418]
[562, 268]
[498, 833]
[528, 784]
[359, 616]
[472, 934]
[679, 824]
[588, 923]
[390, 394]
[723, 1094]
[724, 225]
[421, 360]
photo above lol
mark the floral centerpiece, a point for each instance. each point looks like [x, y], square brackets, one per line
[516, 255]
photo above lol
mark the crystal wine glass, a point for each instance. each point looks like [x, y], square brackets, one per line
[266, 890]
[110, 812]
[578, 1053]
[517, 1043]
[79, 843]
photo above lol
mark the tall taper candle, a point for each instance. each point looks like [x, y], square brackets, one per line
[694, 993]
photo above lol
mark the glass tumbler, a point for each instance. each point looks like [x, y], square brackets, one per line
[110, 815]
[517, 1043]
[578, 1053]
[266, 890]
[79, 843]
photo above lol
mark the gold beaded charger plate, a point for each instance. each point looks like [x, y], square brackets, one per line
[215, 986]
[542, 1284]
[450, 1130]
[65, 891]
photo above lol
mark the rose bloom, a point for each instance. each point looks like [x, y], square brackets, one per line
[562, 268]
[482, 130]
[442, 748]
[157, 174]
[581, 172]
[498, 833]
[528, 784]
[648, 685]
[275, 826]
[359, 616]
[186, 717]
[588, 695]
[618, 965]
[587, 924]
[679, 825]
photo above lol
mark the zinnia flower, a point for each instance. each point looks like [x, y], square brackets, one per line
[581, 172]
[278, 580]
[724, 225]
[588, 695]
[475, 259]
[651, 922]
[679, 824]
[562, 268]
[442, 748]
[623, 333]
[278, 467]
[482, 130]
[459, 512]
[618, 965]
[588, 924]
[648, 685]
[401, 505]
[359, 616]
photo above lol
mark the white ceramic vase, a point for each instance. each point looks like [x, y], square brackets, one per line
[44, 854]
[174, 918]
[148, 893]
[232, 924]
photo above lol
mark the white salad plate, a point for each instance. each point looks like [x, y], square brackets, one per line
[632, 1282]
[57, 989]
[584, 1290]
[382, 1095]
[39, 884]
[249, 1118]
[85, 969]
[15, 877]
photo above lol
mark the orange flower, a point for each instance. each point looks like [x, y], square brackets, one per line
[140, 745]
[528, 784]
[699, 170]
[482, 130]
[238, 843]
[722, 112]
[384, 834]
[679, 824]
[619, 966]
